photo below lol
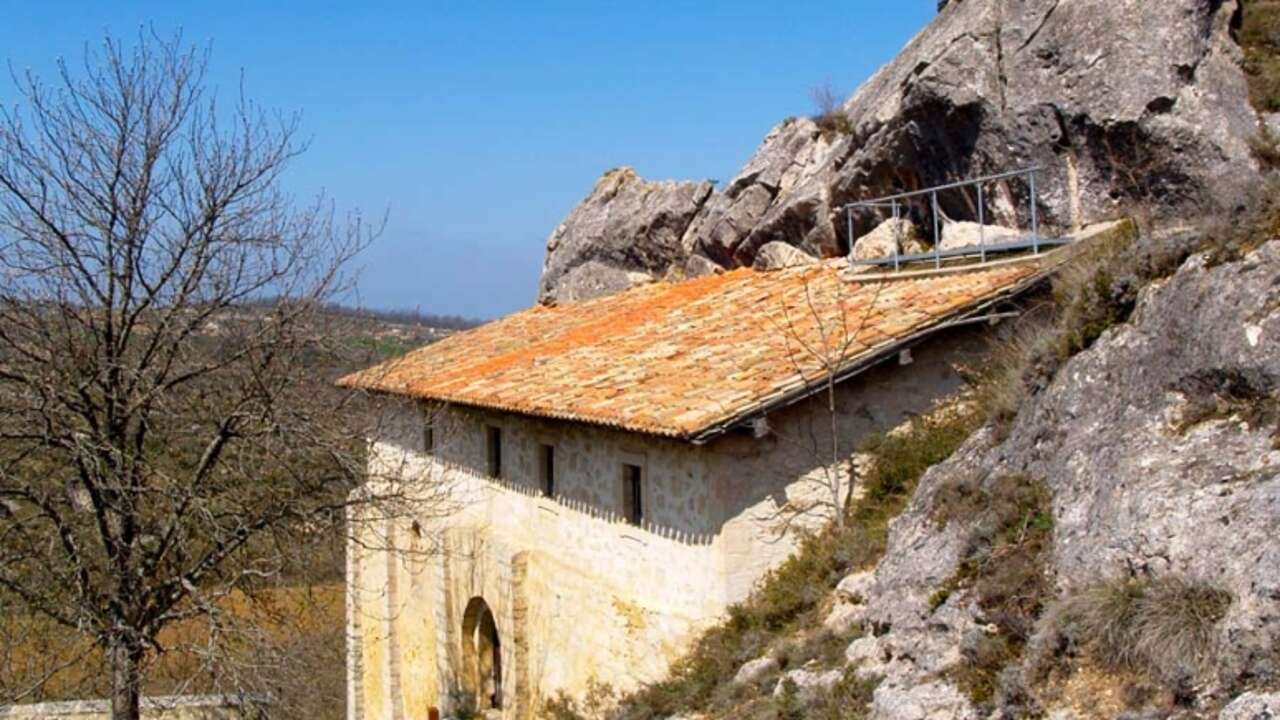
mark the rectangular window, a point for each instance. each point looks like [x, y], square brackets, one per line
[428, 433]
[494, 442]
[632, 494]
[547, 469]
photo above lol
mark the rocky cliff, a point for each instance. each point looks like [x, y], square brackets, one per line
[1158, 454]
[1123, 103]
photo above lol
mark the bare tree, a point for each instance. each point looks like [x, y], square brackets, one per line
[823, 334]
[168, 443]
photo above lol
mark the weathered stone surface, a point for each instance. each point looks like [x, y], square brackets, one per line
[1253, 706]
[779, 255]
[164, 707]
[890, 236]
[921, 702]
[865, 652]
[754, 671]
[1140, 484]
[699, 266]
[964, 234]
[856, 587]
[844, 617]
[808, 683]
[1124, 103]
[627, 231]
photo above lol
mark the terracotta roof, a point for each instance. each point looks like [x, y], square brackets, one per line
[685, 359]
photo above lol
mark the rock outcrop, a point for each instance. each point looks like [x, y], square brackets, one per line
[627, 231]
[1161, 450]
[1121, 102]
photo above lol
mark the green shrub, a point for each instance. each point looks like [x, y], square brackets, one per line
[1163, 629]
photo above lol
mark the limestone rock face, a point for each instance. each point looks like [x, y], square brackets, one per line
[626, 232]
[754, 671]
[1142, 483]
[965, 234]
[1253, 706]
[899, 235]
[1121, 102]
[778, 255]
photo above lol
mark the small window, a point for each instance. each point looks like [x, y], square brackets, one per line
[632, 494]
[547, 469]
[494, 442]
[428, 432]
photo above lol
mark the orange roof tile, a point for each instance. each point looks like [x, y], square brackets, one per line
[682, 359]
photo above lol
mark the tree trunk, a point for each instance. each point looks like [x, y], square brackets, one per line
[125, 659]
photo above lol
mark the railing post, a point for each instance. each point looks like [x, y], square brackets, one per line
[1035, 218]
[848, 214]
[982, 227]
[896, 240]
[937, 232]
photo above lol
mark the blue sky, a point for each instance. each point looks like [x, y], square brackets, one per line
[479, 125]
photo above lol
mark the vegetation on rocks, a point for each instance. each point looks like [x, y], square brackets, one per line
[1158, 633]
[830, 116]
[1004, 566]
[1260, 38]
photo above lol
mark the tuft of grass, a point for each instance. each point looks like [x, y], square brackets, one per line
[1163, 629]
[830, 117]
[595, 705]
[789, 600]
[1260, 39]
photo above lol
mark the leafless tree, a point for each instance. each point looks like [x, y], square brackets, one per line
[168, 443]
[823, 333]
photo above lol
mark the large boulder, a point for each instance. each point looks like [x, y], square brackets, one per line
[779, 256]
[1122, 103]
[626, 232]
[900, 236]
[1253, 706]
[956, 235]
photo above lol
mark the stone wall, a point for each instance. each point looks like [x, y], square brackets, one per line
[175, 707]
[578, 594]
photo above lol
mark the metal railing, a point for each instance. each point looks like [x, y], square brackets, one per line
[898, 203]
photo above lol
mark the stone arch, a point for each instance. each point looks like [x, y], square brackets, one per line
[481, 655]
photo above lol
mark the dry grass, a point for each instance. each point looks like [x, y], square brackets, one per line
[1260, 38]
[287, 642]
[829, 115]
[1164, 630]
[1097, 289]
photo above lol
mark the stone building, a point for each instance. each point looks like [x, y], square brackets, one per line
[619, 470]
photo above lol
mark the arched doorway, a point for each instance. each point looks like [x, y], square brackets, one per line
[482, 655]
